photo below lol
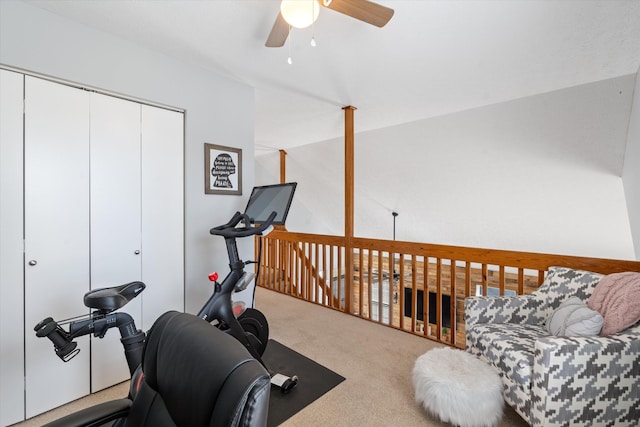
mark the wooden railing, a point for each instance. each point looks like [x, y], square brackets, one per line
[387, 280]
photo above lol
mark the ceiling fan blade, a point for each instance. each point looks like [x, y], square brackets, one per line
[363, 10]
[279, 32]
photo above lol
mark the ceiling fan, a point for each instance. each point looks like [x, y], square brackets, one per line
[362, 10]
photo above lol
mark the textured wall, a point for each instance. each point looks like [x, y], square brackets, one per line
[631, 171]
[541, 174]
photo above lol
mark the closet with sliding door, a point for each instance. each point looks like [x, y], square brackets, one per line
[91, 196]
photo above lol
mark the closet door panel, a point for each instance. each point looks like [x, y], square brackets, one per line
[56, 179]
[162, 212]
[11, 249]
[115, 221]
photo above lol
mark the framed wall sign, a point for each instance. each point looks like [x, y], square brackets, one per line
[222, 170]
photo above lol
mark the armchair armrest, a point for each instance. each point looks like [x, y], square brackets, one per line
[586, 379]
[95, 415]
[502, 309]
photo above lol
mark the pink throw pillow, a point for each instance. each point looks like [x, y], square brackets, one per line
[617, 298]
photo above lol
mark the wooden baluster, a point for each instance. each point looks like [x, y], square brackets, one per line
[452, 302]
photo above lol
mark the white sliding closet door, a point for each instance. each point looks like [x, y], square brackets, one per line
[11, 248]
[91, 196]
[115, 221]
[162, 212]
[56, 225]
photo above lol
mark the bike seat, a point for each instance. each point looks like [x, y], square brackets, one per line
[112, 298]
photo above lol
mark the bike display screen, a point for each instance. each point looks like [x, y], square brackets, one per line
[268, 198]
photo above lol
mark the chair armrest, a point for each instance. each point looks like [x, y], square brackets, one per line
[580, 379]
[95, 415]
[502, 309]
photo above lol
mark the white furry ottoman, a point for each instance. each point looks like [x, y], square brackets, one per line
[458, 388]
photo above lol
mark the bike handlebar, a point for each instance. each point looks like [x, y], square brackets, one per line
[230, 230]
[63, 344]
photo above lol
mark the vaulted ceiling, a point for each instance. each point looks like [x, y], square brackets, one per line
[433, 58]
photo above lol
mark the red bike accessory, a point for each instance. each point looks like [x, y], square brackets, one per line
[238, 308]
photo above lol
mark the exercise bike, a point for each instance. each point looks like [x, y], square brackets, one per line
[247, 325]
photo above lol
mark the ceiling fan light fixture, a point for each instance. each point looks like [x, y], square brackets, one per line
[299, 13]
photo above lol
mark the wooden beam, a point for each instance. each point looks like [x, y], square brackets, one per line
[283, 166]
[348, 204]
[348, 170]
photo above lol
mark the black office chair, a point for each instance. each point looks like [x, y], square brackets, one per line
[194, 375]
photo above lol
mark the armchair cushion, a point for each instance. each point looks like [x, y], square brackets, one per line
[508, 347]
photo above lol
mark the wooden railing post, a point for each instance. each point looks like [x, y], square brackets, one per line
[283, 166]
[348, 204]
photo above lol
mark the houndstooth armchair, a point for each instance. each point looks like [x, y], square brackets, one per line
[551, 380]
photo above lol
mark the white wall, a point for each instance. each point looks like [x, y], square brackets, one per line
[540, 174]
[218, 111]
[631, 171]
[318, 204]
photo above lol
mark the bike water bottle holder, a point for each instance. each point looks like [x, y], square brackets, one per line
[64, 346]
[244, 281]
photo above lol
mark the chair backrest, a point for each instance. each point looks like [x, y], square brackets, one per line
[560, 284]
[196, 375]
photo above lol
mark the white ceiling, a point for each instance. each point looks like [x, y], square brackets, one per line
[433, 58]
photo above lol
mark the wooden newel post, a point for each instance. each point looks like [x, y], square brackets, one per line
[283, 179]
[283, 166]
[348, 203]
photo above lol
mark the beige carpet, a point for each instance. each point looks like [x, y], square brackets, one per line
[376, 361]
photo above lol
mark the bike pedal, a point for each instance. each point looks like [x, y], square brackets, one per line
[284, 382]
